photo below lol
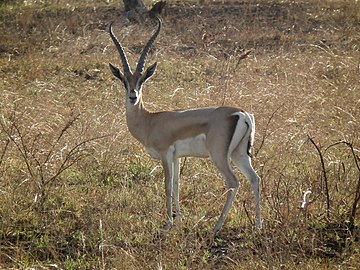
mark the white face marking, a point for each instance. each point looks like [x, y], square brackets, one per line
[133, 96]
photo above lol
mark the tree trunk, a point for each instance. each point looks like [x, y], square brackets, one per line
[134, 5]
[135, 10]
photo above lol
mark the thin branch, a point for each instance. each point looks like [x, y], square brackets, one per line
[8, 140]
[70, 159]
[242, 57]
[21, 147]
[262, 143]
[248, 214]
[183, 166]
[324, 174]
[357, 190]
[65, 128]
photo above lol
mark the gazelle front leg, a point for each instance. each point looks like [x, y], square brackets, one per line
[177, 189]
[168, 165]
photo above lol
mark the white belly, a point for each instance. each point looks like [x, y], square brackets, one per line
[190, 147]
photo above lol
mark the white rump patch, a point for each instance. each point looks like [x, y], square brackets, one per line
[239, 133]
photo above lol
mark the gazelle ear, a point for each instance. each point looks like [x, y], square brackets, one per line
[149, 71]
[147, 74]
[116, 72]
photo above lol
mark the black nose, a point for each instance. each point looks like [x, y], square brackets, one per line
[132, 100]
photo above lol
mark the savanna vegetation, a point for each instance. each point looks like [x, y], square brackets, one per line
[78, 192]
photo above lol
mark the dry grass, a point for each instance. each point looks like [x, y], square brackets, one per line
[78, 192]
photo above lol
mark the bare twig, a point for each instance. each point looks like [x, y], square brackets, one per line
[242, 57]
[323, 169]
[72, 157]
[7, 141]
[264, 137]
[37, 160]
[22, 148]
[183, 166]
[247, 213]
[65, 128]
[357, 189]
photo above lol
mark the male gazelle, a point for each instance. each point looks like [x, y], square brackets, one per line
[221, 133]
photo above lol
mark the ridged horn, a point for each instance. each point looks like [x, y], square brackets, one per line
[141, 63]
[123, 58]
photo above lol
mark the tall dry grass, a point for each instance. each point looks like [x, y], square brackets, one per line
[78, 192]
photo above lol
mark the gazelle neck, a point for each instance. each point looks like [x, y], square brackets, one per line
[137, 117]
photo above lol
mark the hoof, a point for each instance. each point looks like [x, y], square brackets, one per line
[167, 228]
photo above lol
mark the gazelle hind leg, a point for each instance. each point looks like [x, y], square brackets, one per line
[232, 183]
[243, 162]
[229, 201]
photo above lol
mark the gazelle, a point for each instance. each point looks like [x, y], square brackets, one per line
[222, 133]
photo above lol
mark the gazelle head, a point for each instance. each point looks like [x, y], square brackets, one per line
[133, 81]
